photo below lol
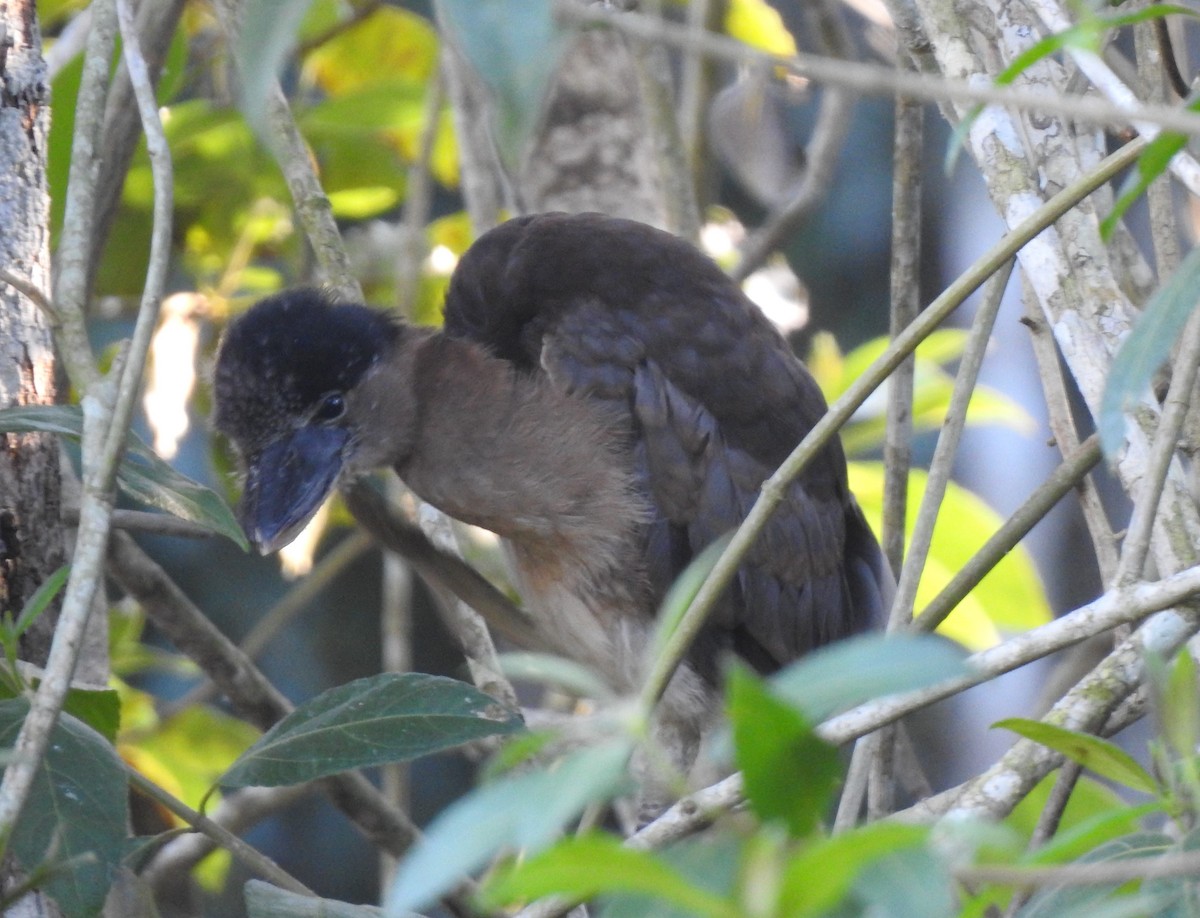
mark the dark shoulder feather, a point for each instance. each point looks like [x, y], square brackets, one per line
[713, 399]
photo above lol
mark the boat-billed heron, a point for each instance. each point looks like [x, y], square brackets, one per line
[601, 396]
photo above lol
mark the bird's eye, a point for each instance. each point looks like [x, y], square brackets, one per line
[332, 407]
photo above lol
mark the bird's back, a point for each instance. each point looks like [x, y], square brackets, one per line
[710, 400]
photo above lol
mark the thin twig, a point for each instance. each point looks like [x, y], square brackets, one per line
[885, 81]
[1062, 426]
[693, 86]
[1109, 873]
[146, 522]
[397, 534]
[1117, 606]
[828, 137]
[1067, 476]
[106, 417]
[1162, 454]
[418, 200]
[840, 411]
[70, 284]
[357, 15]
[330, 566]
[27, 289]
[906, 302]
[258, 862]
[250, 693]
[947, 448]
[1049, 819]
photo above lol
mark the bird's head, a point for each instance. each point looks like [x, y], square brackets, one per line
[289, 391]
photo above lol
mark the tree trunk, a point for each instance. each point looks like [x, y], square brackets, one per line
[31, 531]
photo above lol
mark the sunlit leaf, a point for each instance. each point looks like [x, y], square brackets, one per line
[390, 43]
[524, 811]
[759, 25]
[1104, 758]
[77, 811]
[391, 717]
[1011, 596]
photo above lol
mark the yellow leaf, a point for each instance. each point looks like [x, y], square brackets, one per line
[1010, 598]
[390, 43]
[758, 24]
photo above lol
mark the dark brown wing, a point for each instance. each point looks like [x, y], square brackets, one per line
[713, 400]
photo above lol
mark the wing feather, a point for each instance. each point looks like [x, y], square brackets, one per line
[711, 399]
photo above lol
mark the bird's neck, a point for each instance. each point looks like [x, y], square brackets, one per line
[508, 452]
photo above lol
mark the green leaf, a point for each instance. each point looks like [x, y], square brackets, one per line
[1145, 349]
[1176, 697]
[1104, 758]
[590, 865]
[1088, 901]
[390, 43]
[142, 474]
[77, 811]
[908, 882]
[268, 33]
[862, 668]
[1152, 163]
[524, 811]
[391, 717]
[818, 876]
[790, 773]
[711, 863]
[513, 45]
[266, 901]
[187, 752]
[41, 598]
[1094, 814]
[100, 709]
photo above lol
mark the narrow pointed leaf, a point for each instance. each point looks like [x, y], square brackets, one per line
[1104, 758]
[1146, 348]
[391, 717]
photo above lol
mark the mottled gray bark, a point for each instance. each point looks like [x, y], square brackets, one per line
[31, 533]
